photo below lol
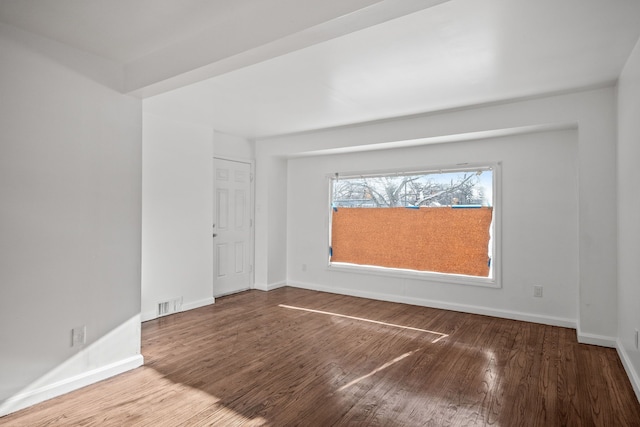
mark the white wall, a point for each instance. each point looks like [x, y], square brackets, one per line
[177, 209]
[539, 233]
[70, 170]
[628, 208]
[271, 220]
[177, 212]
[232, 147]
[592, 112]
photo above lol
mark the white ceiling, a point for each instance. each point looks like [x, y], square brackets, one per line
[373, 59]
[120, 30]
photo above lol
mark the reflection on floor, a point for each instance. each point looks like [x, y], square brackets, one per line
[299, 357]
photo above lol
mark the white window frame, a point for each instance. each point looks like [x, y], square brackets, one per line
[495, 279]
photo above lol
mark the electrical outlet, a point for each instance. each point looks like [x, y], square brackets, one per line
[637, 338]
[78, 336]
[537, 291]
[304, 267]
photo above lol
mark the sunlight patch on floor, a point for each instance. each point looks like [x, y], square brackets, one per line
[439, 334]
[378, 369]
[190, 406]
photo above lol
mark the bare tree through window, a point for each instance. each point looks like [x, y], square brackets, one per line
[429, 189]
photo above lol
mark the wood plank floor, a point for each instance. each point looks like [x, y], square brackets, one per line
[295, 357]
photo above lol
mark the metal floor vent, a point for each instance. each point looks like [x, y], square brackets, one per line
[169, 307]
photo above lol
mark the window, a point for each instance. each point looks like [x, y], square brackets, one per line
[439, 224]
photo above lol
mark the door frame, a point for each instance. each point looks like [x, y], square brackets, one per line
[252, 237]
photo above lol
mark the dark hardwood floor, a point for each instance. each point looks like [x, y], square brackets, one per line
[281, 358]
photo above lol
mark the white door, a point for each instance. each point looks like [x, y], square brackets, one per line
[232, 243]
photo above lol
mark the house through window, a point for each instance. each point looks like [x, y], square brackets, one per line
[439, 222]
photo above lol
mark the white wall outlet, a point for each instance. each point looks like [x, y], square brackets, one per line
[537, 291]
[78, 336]
[304, 267]
[637, 338]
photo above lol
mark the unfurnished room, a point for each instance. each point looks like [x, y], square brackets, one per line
[319, 213]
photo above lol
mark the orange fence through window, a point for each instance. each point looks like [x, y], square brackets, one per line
[442, 239]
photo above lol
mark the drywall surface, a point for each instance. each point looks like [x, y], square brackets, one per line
[629, 206]
[539, 224]
[177, 214]
[271, 220]
[232, 147]
[592, 112]
[70, 173]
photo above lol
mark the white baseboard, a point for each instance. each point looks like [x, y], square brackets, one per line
[150, 315]
[269, 286]
[486, 311]
[633, 375]
[594, 339]
[31, 397]
[197, 304]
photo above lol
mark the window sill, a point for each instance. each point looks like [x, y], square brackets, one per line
[457, 279]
